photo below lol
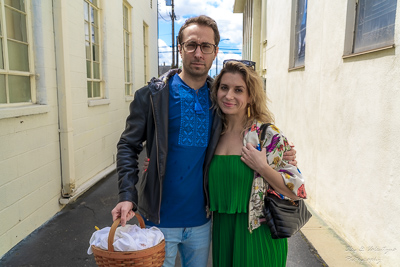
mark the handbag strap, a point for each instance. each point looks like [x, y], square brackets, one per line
[261, 136]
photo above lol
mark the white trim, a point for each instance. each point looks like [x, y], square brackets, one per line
[129, 98]
[98, 102]
[12, 112]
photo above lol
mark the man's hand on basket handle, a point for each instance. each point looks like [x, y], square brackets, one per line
[123, 210]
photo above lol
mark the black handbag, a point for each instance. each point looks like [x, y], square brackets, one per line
[284, 217]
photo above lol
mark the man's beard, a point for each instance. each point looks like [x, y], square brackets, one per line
[196, 72]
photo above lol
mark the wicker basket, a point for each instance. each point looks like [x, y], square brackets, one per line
[153, 256]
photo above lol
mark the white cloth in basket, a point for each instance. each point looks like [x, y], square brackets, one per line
[127, 238]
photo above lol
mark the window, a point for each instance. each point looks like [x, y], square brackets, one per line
[16, 77]
[127, 50]
[92, 42]
[298, 38]
[374, 27]
[145, 51]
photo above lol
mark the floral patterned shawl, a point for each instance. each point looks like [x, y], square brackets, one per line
[276, 144]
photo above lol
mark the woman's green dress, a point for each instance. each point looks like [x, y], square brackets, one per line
[233, 245]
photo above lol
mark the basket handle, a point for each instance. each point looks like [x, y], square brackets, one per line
[114, 228]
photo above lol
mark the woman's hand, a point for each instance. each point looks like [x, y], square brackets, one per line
[146, 164]
[290, 156]
[255, 159]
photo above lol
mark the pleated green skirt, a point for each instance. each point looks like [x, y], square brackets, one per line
[232, 244]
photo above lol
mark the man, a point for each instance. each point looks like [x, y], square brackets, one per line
[172, 114]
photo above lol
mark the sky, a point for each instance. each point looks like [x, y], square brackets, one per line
[229, 25]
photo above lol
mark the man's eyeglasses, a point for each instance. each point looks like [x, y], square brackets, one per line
[248, 63]
[206, 48]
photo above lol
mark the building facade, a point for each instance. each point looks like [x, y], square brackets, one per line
[68, 72]
[332, 72]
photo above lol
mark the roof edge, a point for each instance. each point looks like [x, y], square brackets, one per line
[238, 6]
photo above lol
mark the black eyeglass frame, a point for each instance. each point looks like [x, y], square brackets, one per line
[197, 45]
[248, 63]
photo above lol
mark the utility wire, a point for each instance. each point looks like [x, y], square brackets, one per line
[159, 13]
[163, 17]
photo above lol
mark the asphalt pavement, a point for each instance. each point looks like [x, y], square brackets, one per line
[64, 239]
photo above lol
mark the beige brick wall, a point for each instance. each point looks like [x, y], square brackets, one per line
[30, 158]
[30, 163]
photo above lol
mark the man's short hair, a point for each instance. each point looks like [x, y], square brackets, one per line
[201, 20]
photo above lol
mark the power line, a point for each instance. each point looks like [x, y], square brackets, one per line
[163, 17]
[159, 13]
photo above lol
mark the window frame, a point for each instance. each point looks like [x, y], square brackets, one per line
[293, 32]
[96, 6]
[29, 42]
[350, 33]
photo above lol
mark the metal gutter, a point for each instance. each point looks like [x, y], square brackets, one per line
[62, 54]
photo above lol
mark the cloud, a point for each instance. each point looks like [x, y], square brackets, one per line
[164, 53]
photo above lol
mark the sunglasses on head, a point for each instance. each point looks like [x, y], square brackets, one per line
[248, 63]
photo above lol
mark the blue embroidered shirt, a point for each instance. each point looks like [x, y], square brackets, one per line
[190, 120]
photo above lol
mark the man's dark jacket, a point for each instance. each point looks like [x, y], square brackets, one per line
[148, 121]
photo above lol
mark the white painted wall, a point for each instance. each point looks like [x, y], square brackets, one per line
[30, 163]
[344, 117]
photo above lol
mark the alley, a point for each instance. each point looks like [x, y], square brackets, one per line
[64, 240]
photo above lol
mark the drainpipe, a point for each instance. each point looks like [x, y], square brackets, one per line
[61, 43]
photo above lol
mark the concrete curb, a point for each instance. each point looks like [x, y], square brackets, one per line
[330, 247]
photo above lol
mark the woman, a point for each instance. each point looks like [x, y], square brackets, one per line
[239, 173]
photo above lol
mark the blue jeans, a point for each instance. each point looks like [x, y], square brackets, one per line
[193, 245]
